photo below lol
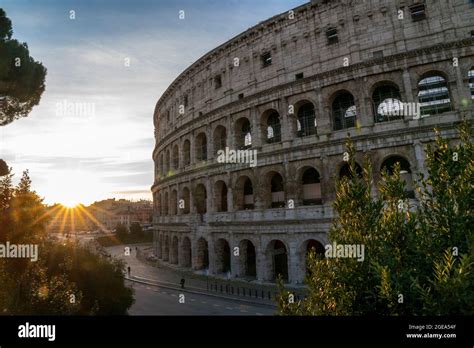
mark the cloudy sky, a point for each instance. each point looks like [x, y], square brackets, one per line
[91, 137]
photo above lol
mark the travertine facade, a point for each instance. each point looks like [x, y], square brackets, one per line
[292, 88]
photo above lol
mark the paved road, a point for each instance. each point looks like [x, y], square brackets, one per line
[151, 300]
[155, 300]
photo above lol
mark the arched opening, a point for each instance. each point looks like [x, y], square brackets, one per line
[433, 95]
[166, 204]
[175, 157]
[220, 196]
[186, 202]
[243, 193]
[243, 133]
[200, 199]
[167, 164]
[174, 202]
[220, 138]
[277, 190]
[187, 152]
[347, 173]
[271, 126]
[471, 81]
[202, 260]
[311, 187]
[166, 252]
[306, 122]
[344, 111]
[277, 257]
[386, 102]
[310, 246]
[201, 147]
[405, 172]
[186, 252]
[162, 165]
[174, 250]
[247, 259]
[222, 250]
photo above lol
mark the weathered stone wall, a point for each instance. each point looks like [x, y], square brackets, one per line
[376, 47]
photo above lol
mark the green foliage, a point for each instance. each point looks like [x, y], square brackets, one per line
[136, 230]
[67, 279]
[22, 79]
[418, 259]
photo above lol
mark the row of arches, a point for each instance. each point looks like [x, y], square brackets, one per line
[273, 190]
[433, 97]
[275, 258]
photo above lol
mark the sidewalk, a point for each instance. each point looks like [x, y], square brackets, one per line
[170, 276]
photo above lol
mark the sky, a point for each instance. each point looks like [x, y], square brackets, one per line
[91, 137]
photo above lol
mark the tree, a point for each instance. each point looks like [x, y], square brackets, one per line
[136, 230]
[22, 79]
[66, 279]
[121, 230]
[419, 259]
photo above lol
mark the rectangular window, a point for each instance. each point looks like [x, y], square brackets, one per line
[185, 101]
[378, 54]
[241, 96]
[266, 59]
[299, 76]
[331, 35]
[417, 12]
[217, 82]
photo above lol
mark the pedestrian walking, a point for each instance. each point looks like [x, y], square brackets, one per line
[129, 270]
[182, 283]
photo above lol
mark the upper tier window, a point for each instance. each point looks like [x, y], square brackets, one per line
[266, 59]
[331, 35]
[418, 12]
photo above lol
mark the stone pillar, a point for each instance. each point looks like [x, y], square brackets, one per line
[363, 103]
[209, 196]
[192, 149]
[212, 254]
[288, 122]
[410, 97]
[323, 118]
[230, 199]
[420, 156]
[261, 263]
[234, 260]
[292, 262]
[255, 128]
[210, 143]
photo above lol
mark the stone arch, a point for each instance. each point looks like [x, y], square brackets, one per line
[166, 204]
[244, 193]
[247, 259]
[305, 119]
[219, 138]
[223, 256]
[167, 162]
[186, 196]
[310, 181]
[186, 152]
[243, 133]
[434, 94]
[200, 199]
[176, 157]
[220, 196]
[202, 254]
[271, 126]
[273, 190]
[201, 147]
[185, 252]
[277, 258]
[173, 203]
[174, 250]
[386, 101]
[343, 110]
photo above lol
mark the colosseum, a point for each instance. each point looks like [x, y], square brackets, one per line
[289, 91]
